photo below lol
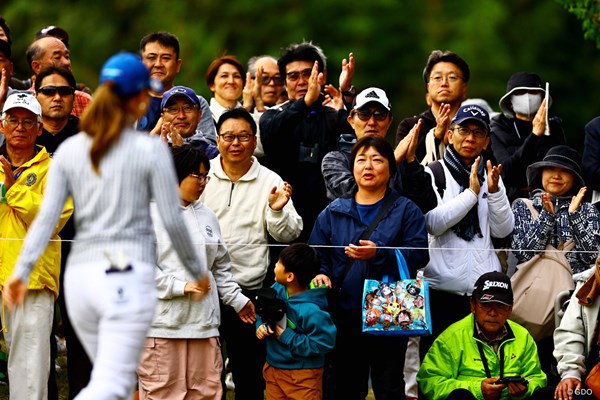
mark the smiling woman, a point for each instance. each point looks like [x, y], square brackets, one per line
[558, 192]
[225, 77]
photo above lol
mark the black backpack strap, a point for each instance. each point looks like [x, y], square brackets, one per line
[366, 234]
[438, 176]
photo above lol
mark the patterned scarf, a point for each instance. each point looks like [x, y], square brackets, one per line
[467, 227]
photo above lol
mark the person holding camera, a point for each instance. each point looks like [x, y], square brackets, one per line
[297, 339]
[483, 354]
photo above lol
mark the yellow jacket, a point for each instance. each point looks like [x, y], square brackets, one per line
[23, 201]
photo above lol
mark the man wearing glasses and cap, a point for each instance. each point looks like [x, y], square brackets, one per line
[472, 209]
[371, 114]
[24, 171]
[180, 116]
[484, 355]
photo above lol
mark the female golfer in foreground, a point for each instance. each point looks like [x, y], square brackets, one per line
[112, 172]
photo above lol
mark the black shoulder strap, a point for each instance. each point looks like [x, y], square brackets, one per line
[438, 176]
[367, 233]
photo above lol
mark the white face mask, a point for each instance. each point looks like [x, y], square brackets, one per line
[526, 104]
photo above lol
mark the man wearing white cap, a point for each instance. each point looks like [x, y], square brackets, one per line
[371, 115]
[24, 168]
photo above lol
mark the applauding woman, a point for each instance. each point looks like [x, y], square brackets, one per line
[557, 197]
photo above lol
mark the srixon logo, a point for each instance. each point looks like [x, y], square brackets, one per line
[492, 284]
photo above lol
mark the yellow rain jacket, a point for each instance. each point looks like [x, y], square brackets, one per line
[23, 201]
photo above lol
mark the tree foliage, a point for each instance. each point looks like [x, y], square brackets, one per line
[588, 11]
[391, 40]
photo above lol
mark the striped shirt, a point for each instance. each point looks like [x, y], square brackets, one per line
[112, 209]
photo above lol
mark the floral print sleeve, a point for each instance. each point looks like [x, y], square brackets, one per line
[530, 236]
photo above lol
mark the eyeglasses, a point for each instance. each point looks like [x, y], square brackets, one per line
[174, 110]
[365, 115]
[277, 80]
[203, 178]
[438, 79]
[13, 123]
[230, 137]
[51, 90]
[295, 75]
[478, 133]
[498, 307]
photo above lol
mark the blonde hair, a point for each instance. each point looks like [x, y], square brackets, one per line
[104, 120]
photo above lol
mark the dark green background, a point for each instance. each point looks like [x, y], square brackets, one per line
[391, 40]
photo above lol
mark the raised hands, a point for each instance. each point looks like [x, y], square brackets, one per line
[248, 98]
[442, 121]
[474, 184]
[347, 73]
[314, 85]
[9, 178]
[279, 198]
[167, 133]
[407, 148]
[577, 199]
[547, 203]
[539, 121]
[4, 81]
[334, 98]
[493, 176]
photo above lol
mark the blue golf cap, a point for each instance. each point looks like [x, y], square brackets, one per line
[472, 112]
[179, 91]
[129, 75]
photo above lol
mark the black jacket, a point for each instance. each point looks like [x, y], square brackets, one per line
[516, 147]
[407, 124]
[295, 139]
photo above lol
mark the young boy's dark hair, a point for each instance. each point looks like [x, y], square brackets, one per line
[187, 160]
[301, 260]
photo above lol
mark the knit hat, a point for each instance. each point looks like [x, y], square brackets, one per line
[129, 75]
[558, 156]
[493, 287]
[521, 81]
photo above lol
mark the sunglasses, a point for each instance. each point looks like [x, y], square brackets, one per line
[51, 90]
[365, 115]
[295, 75]
[277, 80]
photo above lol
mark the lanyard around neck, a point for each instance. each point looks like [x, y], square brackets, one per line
[484, 360]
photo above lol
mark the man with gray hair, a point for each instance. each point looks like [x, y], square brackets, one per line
[24, 170]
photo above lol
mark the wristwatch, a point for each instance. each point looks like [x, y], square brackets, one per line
[351, 92]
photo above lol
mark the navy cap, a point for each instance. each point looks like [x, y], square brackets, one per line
[179, 91]
[129, 75]
[472, 112]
